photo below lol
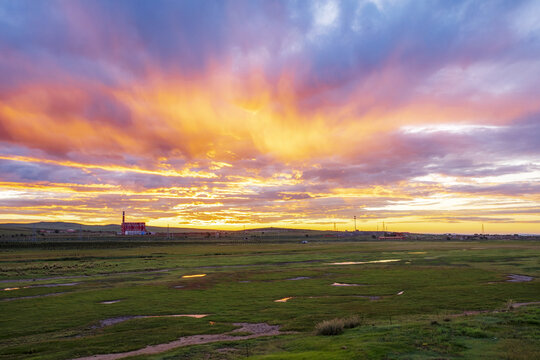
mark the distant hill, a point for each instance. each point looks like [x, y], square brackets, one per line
[63, 226]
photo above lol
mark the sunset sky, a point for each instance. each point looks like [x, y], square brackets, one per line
[302, 114]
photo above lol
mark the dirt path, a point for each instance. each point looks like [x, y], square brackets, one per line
[478, 312]
[516, 305]
[256, 330]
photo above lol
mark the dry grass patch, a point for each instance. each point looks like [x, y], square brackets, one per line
[336, 326]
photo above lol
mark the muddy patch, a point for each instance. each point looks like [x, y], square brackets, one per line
[52, 285]
[254, 330]
[117, 320]
[299, 278]
[345, 284]
[518, 278]
[364, 262]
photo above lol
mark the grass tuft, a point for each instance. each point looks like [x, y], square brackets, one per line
[336, 326]
[329, 327]
[351, 322]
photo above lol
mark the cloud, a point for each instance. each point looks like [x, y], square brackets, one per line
[222, 112]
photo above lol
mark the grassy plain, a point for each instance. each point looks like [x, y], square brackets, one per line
[439, 281]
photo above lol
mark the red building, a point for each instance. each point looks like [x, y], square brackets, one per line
[132, 228]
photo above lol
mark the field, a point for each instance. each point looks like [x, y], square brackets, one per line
[431, 300]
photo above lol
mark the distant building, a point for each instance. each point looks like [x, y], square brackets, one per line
[132, 228]
[393, 236]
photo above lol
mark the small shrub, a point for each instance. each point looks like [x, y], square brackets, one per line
[330, 327]
[352, 322]
[336, 326]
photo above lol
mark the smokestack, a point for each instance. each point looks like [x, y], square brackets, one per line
[123, 216]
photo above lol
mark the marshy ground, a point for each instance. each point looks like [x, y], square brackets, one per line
[415, 300]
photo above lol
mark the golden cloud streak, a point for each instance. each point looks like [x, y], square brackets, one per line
[113, 168]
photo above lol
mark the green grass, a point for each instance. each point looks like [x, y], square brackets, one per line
[241, 284]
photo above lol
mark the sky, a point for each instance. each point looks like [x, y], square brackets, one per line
[424, 115]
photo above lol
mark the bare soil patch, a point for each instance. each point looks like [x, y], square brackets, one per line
[519, 278]
[255, 330]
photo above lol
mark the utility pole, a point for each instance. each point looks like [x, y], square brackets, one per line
[354, 222]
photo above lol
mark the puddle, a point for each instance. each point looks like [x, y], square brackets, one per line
[364, 262]
[193, 276]
[110, 302]
[417, 252]
[116, 320]
[400, 293]
[299, 278]
[519, 278]
[179, 286]
[254, 330]
[34, 296]
[39, 286]
[343, 284]
[283, 300]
